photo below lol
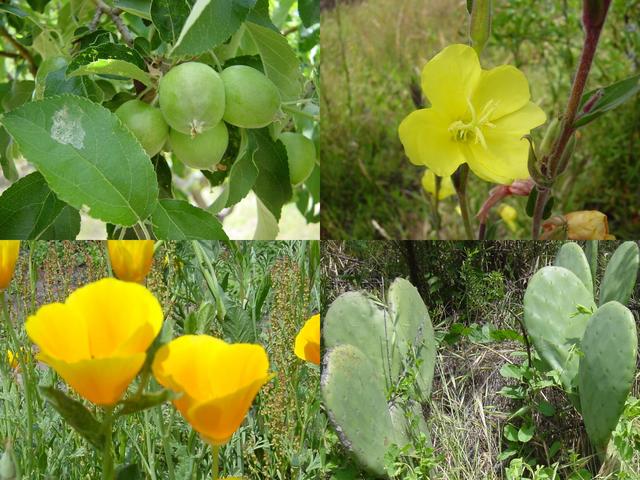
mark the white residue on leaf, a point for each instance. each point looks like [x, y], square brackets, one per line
[67, 128]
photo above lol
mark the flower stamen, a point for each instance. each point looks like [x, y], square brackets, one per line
[472, 130]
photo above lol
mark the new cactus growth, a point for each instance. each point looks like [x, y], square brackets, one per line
[593, 348]
[368, 350]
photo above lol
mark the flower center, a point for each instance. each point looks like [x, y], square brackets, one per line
[471, 130]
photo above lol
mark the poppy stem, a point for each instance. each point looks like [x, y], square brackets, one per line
[107, 454]
[460, 183]
[214, 469]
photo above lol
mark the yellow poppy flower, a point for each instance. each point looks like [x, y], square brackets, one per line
[509, 216]
[307, 345]
[446, 185]
[476, 117]
[12, 359]
[97, 340]
[218, 381]
[9, 251]
[131, 259]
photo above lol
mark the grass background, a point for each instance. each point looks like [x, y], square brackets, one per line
[375, 49]
[270, 289]
[470, 288]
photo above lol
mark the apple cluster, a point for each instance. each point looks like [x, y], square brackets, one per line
[197, 103]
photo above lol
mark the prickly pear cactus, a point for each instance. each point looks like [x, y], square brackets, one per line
[555, 320]
[572, 257]
[593, 349]
[607, 370]
[621, 274]
[368, 347]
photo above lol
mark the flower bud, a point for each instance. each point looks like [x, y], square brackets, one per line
[509, 216]
[480, 27]
[550, 136]
[582, 225]
[594, 13]
[9, 251]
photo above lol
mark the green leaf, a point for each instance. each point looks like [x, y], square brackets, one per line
[273, 185]
[144, 402]
[280, 62]
[169, 16]
[260, 14]
[13, 10]
[179, 220]
[210, 24]
[30, 210]
[309, 11]
[87, 157]
[109, 59]
[76, 415]
[164, 176]
[140, 8]
[243, 173]
[526, 433]
[606, 99]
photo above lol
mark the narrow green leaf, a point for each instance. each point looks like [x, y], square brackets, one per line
[87, 157]
[280, 62]
[30, 210]
[210, 24]
[144, 402]
[76, 415]
[607, 98]
[179, 220]
[169, 16]
[273, 185]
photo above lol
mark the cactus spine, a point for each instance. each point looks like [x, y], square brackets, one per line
[593, 349]
[368, 350]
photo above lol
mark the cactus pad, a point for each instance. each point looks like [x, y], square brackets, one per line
[413, 329]
[553, 320]
[607, 370]
[621, 274]
[572, 257]
[355, 395]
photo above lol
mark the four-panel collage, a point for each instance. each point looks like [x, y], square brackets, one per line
[187, 294]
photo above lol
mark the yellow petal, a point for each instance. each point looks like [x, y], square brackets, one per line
[307, 344]
[219, 381]
[131, 259]
[521, 121]
[122, 317]
[505, 87]
[504, 161]
[59, 332]
[102, 381]
[446, 185]
[587, 225]
[427, 141]
[449, 78]
[218, 419]
[9, 252]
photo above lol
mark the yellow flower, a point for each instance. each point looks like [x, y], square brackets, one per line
[218, 381]
[9, 251]
[476, 117]
[509, 216]
[446, 185]
[12, 359]
[131, 259]
[307, 345]
[97, 340]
